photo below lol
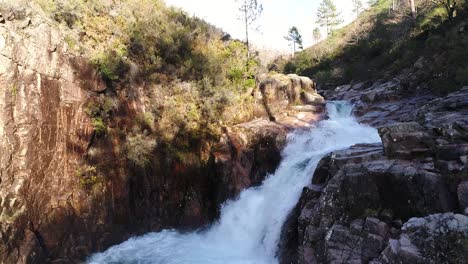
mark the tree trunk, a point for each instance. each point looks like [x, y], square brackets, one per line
[413, 8]
[246, 30]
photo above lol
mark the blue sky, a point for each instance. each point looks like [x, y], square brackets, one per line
[278, 16]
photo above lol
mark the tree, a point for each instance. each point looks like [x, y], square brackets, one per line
[295, 38]
[316, 35]
[328, 16]
[449, 5]
[357, 7]
[413, 8]
[251, 11]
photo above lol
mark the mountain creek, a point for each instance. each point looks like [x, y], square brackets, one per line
[366, 172]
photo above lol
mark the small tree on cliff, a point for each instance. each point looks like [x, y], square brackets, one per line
[328, 16]
[250, 11]
[295, 38]
[316, 35]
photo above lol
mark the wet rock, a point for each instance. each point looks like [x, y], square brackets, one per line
[289, 242]
[247, 153]
[331, 163]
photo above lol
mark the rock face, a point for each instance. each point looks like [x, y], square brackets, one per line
[401, 201]
[438, 238]
[66, 192]
[285, 95]
[43, 134]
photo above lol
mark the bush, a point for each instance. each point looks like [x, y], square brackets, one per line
[323, 76]
[139, 148]
[100, 112]
[111, 65]
[88, 176]
[145, 120]
[100, 127]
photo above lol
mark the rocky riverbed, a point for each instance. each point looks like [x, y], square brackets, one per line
[400, 201]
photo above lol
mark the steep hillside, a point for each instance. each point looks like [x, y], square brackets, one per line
[383, 42]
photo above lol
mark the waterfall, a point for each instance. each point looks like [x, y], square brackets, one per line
[249, 227]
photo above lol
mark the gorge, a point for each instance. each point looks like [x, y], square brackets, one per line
[249, 227]
[132, 132]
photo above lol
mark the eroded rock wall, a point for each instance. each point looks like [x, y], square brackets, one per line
[43, 134]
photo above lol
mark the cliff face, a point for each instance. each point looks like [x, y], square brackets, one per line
[43, 134]
[67, 189]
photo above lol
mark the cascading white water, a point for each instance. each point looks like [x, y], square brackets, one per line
[249, 227]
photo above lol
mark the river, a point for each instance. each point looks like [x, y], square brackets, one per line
[249, 227]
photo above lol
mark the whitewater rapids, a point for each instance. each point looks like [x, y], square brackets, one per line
[249, 227]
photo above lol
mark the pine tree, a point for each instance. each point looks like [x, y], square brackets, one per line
[295, 38]
[357, 7]
[250, 12]
[328, 16]
[316, 35]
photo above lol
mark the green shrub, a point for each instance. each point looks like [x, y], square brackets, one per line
[100, 127]
[88, 176]
[235, 75]
[145, 120]
[139, 148]
[111, 65]
[323, 76]
[14, 90]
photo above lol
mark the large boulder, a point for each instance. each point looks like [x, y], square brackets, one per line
[281, 93]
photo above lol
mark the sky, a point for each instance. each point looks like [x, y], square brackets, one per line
[277, 17]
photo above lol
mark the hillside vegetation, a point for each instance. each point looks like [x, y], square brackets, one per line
[383, 42]
[192, 78]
